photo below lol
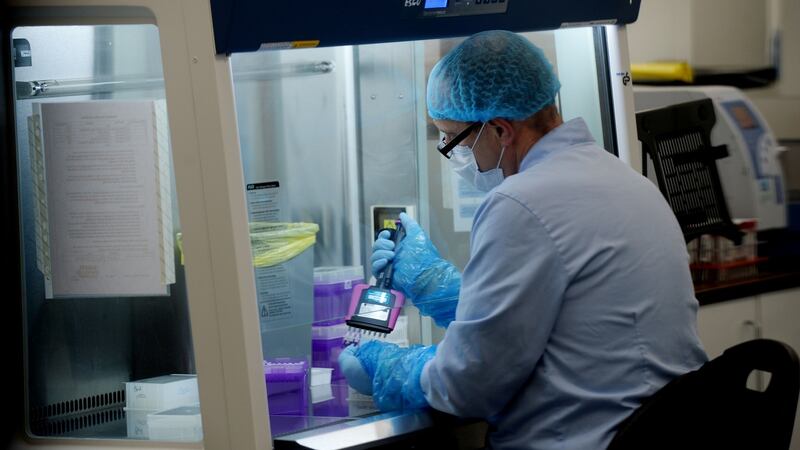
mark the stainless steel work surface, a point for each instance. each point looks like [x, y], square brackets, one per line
[380, 430]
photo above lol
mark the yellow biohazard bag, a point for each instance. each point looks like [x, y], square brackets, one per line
[273, 243]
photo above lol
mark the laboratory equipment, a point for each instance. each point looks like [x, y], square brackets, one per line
[333, 287]
[287, 382]
[152, 395]
[162, 392]
[238, 25]
[328, 397]
[718, 259]
[136, 420]
[751, 176]
[326, 344]
[98, 341]
[283, 260]
[358, 98]
[376, 308]
[677, 140]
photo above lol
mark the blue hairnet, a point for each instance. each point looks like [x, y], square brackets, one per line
[491, 74]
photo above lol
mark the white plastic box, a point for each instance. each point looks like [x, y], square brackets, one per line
[178, 424]
[152, 395]
[321, 384]
[320, 376]
[137, 422]
[162, 392]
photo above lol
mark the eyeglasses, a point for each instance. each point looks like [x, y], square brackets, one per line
[446, 148]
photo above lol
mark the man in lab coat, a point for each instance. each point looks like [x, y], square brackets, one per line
[576, 303]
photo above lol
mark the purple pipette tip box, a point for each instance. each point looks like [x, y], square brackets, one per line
[287, 381]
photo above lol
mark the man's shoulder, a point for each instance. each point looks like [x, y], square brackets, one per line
[570, 189]
[535, 185]
[580, 170]
[504, 211]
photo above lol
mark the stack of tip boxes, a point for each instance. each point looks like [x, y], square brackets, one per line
[164, 408]
[333, 289]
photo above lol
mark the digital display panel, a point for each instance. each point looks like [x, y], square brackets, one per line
[379, 297]
[743, 117]
[435, 4]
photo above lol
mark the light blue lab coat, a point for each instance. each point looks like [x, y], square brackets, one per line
[576, 304]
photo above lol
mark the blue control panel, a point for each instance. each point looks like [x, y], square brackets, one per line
[456, 8]
[248, 25]
[435, 4]
[753, 133]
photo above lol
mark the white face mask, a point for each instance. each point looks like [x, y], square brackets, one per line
[464, 164]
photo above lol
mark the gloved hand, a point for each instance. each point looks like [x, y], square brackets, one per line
[429, 281]
[382, 252]
[356, 376]
[394, 373]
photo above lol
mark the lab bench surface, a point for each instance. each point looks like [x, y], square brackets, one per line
[394, 430]
[710, 293]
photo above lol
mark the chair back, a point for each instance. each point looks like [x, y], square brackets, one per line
[713, 407]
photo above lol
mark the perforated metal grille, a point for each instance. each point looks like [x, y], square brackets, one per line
[689, 187]
[73, 415]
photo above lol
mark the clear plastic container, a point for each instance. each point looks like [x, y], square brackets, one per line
[320, 376]
[161, 393]
[286, 306]
[178, 424]
[337, 274]
[718, 259]
[136, 420]
[333, 287]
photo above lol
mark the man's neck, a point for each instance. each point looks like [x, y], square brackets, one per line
[529, 137]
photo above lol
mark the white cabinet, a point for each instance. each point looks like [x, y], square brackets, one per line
[774, 315]
[780, 316]
[723, 325]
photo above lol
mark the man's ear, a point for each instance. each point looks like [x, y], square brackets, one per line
[504, 130]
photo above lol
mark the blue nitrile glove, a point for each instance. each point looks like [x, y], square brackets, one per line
[356, 376]
[395, 373]
[382, 252]
[426, 278]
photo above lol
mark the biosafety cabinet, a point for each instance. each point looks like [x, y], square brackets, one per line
[191, 189]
